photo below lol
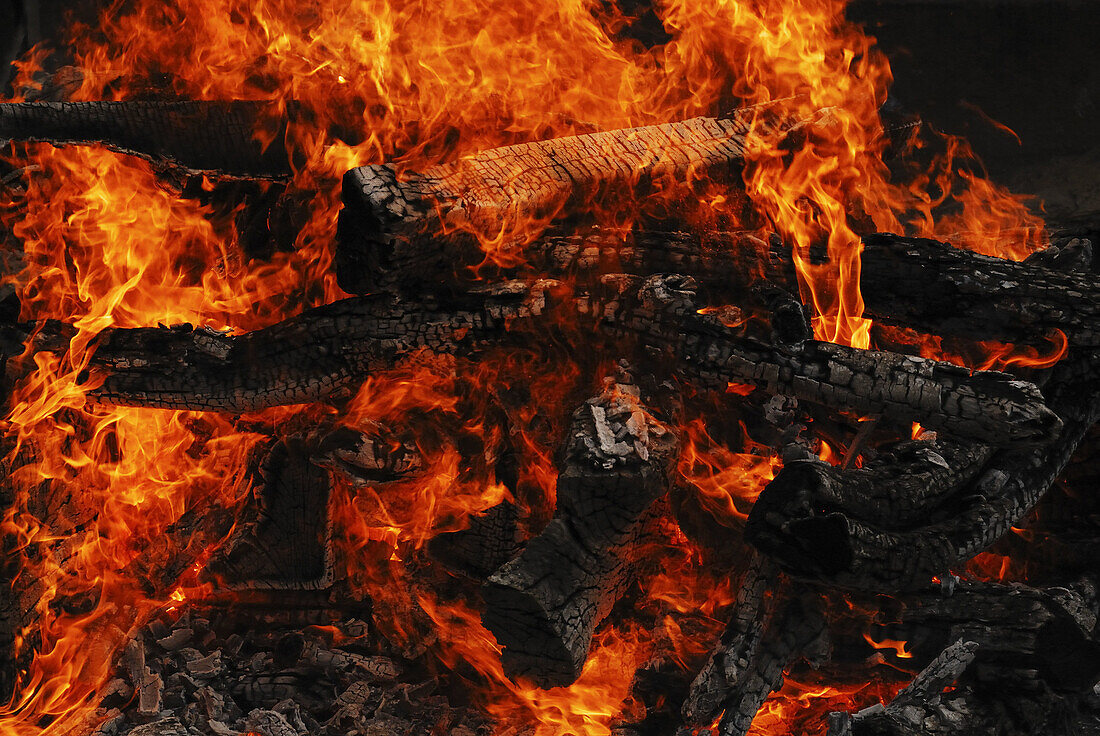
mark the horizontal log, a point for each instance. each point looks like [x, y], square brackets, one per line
[905, 484]
[202, 137]
[830, 546]
[935, 287]
[544, 605]
[911, 282]
[393, 218]
[664, 315]
[327, 349]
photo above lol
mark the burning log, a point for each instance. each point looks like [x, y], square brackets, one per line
[1019, 657]
[985, 405]
[330, 348]
[829, 545]
[917, 709]
[760, 642]
[288, 543]
[544, 605]
[933, 286]
[906, 483]
[215, 138]
[400, 220]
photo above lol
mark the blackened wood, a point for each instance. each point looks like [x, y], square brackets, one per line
[728, 663]
[833, 547]
[1025, 634]
[216, 138]
[287, 542]
[935, 287]
[330, 348]
[544, 605]
[751, 675]
[397, 219]
[491, 539]
[302, 359]
[666, 317]
[904, 484]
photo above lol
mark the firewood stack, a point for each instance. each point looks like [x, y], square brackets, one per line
[679, 313]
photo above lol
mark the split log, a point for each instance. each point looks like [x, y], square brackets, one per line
[330, 348]
[215, 138]
[826, 545]
[905, 484]
[727, 665]
[738, 678]
[393, 219]
[545, 604]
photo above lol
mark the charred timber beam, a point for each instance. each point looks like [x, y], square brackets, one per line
[218, 138]
[393, 218]
[544, 605]
[831, 546]
[309, 357]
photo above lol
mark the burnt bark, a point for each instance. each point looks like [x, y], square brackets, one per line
[904, 484]
[395, 219]
[830, 546]
[330, 348]
[544, 605]
[201, 137]
[287, 541]
[925, 284]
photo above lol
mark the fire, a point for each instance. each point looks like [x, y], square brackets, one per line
[107, 244]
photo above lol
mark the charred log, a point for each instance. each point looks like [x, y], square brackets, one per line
[217, 138]
[330, 348]
[544, 605]
[905, 483]
[397, 220]
[829, 545]
[288, 542]
[938, 288]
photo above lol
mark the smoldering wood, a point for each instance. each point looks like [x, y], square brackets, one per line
[728, 663]
[751, 675]
[917, 708]
[491, 539]
[389, 216]
[831, 546]
[912, 282]
[923, 283]
[544, 605]
[331, 348]
[302, 359]
[904, 484]
[201, 137]
[665, 316]
[287, 543]
[1026, 635]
